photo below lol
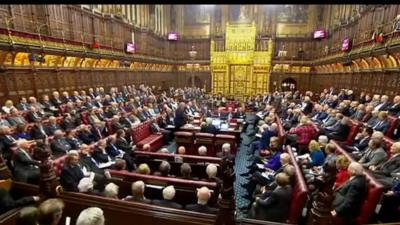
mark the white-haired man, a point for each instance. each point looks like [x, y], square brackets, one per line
[208, 127]
[138, 189]
[350, 196]
[168, 195]
[111, 191]
[203, 196]
[91, 216]
[202, 150]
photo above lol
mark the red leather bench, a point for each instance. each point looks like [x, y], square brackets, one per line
[375, 190]
[299, 193]
[142, 135]
[149, 179]
[221, 139]
[388, 144]
[207, 140]
[281, 131]
[184, 138]
[58, 165]
[186, 158]
[393, 123]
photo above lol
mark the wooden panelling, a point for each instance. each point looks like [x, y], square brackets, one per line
[24, 82]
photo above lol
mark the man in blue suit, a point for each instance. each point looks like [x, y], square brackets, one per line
[263, 143]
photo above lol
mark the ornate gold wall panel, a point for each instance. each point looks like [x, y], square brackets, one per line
[240, 70]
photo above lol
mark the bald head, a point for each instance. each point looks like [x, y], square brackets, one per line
[203, 195]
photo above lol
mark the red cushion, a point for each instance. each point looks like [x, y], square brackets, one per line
[354, 129]
[151, 140]
[141, 131]
[393, 122]
[299, 193]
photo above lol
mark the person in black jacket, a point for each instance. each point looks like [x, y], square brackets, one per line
[100, 152]
[340, 131]
[52, 126]
[122, 144]
[203, 196]
[138, 189]
[70, 137]
[350, 196]
[85, 135]
[26, 169]
[274, 206]
[168, 195]
[7, 202]
[71, 173]
[180, 118]
[7, 142]
[38, 131]
[208, 127]
[59, 145]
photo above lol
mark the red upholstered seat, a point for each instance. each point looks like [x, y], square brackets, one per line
[85, 117]
[58, 164]
[393, 122]
[221, 139]
[186, 139]
[207, 140]
[109, 127]
[375, 190]
[388, 144]
[141, 135]
[299, 193]
[354, 129]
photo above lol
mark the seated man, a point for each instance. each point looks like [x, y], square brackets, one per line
[186, 171]
[266, 133]
[203, 196]
[7, 202]
[351, 195]
[168, 196]
[71, 173]
[208, 127]
[202, 151]
[143, 169]
[382, 124]
[89, 215]
[26, 169]
[226, 152]
[163, 169]
[276, 206]
[50, 211]
[212, 171]
[111, 191]
[388, 170]
[375, 154]
[155, 128]
[52, 126]
[138, 193]
[59, 145]
[360, 141]
[340, 131]
[85, 135]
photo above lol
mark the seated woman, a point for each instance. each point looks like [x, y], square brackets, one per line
[316, 157]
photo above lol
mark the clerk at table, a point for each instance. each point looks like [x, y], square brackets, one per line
[208, 127]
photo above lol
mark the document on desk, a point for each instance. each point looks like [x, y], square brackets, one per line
[170, 127]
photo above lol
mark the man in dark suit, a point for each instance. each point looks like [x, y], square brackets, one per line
[90, 164]
[38, 131]
[350, 196]
[26, 169]
[168, 195]
[240, 114]
[339, 131]
[33, 115]
[274, 206]
[55, 100]
[382, 123]
[85, 135]
[52, 126]
[360, 141]
[7, 202]
[394, 109]
[383, 172]
[71, 173]
[384, 104]
[7, 141]
[359, 113]
[208, 127]
[59, 145]
[203, 196]
[307, 105]
[22, 105]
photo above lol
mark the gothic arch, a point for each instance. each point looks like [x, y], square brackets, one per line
[364, 64]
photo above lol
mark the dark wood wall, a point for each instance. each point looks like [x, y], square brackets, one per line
[370, 82]
[24, 82]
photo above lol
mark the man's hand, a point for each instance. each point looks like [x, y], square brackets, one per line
[333, 213]
[373, 168]
[36, 198]
[389, 193]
